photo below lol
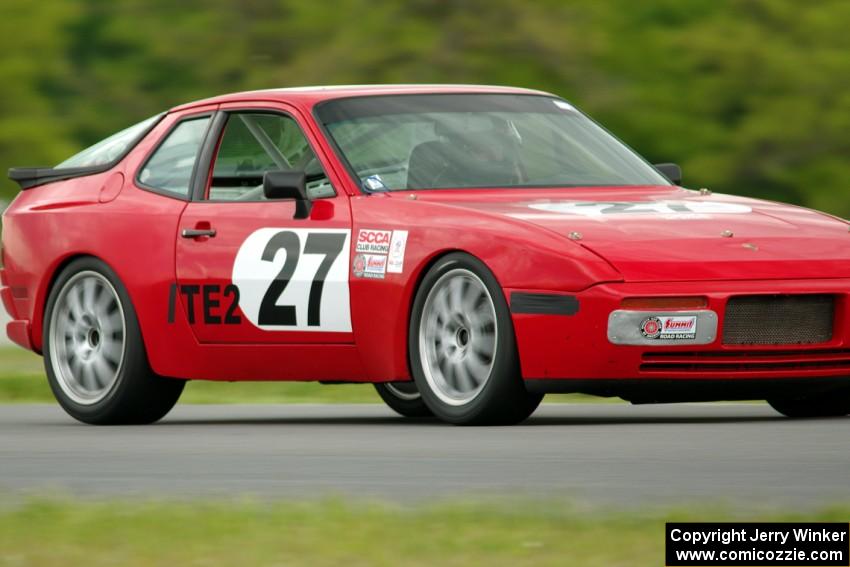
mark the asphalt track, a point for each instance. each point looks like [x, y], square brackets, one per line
[610, 454]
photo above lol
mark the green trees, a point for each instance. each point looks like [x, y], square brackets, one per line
[750, 96]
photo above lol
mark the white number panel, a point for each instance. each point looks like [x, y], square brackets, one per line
[295, 279]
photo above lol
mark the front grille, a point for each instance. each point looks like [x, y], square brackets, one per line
[778, 319]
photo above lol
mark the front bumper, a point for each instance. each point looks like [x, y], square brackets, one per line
[578, 346]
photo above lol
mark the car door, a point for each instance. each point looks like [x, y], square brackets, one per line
[247, 270]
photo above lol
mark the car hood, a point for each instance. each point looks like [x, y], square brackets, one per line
[674, 234]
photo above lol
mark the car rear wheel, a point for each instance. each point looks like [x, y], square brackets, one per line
[93, 352]
[404, 398]
[462, 348]
[829, 404]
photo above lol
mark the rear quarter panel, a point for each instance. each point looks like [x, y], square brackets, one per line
[102, 216]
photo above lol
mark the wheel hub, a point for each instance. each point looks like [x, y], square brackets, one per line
[457, 338]
[456, 342]
[87, 332]
[86, 338]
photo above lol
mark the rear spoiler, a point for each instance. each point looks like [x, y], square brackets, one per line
[28, 177]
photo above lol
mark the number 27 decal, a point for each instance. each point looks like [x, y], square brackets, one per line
[295, 279]
[328, 245]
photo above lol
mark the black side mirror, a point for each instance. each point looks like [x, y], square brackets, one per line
[671, 171]
[288, 185]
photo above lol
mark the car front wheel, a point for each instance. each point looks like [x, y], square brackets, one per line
[93, 352]
[462, 348]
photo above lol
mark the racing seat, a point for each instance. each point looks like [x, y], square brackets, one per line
[455, 163]
[428, 164]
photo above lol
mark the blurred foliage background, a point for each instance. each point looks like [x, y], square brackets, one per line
[749, 96]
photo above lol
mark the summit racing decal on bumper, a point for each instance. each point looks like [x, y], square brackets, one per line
[670, 328]
[629, 327]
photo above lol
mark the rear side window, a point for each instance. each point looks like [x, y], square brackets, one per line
[169, 169]
[110, 149]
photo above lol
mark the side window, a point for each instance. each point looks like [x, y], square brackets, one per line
[169, 169]
[254, 143]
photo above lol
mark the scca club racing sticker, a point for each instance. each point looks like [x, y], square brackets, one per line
[379, 252]
[295, 279]
[663, 209]
[669, 328]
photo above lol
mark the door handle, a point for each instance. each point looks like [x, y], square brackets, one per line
[197, 232]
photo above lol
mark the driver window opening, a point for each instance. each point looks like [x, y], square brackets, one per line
[254, 143]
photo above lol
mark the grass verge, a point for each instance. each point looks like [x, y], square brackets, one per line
[333, 532]
[22, 380]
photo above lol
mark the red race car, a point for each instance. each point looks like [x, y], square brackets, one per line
[466, 249]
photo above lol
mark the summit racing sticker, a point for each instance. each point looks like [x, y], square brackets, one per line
[663, 209]
[369, 266]
[669, 328]
[379, 252]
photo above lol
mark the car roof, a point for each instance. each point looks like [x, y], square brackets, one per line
[308, 96]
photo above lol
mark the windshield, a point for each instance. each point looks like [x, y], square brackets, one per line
[108, 150]
[443, 141]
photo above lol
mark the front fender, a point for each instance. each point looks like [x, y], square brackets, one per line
[520, 255]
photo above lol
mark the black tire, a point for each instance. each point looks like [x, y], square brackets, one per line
[133, 394]
[403, 398]
[500, 398]
[824, 404]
